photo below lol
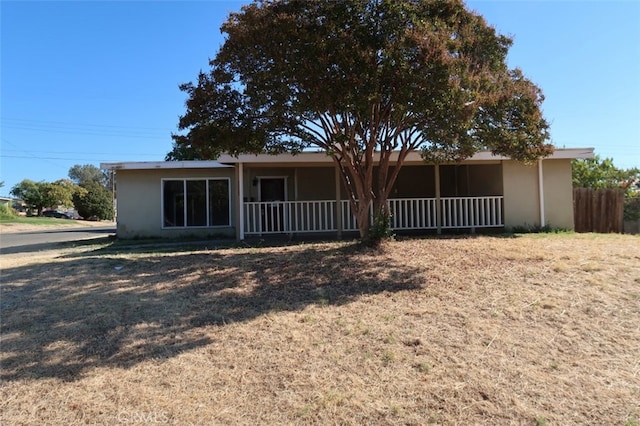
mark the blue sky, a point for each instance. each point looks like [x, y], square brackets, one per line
[84, 82]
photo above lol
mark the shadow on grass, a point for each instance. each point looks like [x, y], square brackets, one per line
[60, 319]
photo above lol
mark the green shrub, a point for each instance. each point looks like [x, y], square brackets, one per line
[632, 208]
[96, 201]
[6, 212]
[381, 229]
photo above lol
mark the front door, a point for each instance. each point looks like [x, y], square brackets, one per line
[273, 194]
[272, 189]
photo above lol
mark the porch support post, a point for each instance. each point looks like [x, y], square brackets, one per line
[438, 204]
[240, 203]
[338, 201]
[541, 194]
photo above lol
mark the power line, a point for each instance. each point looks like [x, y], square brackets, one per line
[81, 129]
[81, 132]
[33, 156]
[80, 153]
[48, 158]
[30, 122]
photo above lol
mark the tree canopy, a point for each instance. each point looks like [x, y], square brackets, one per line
[602, 173]
[94, 202]
[40, 195]
[82, 174]
[359, 80]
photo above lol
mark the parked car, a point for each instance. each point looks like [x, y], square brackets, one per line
[57, 214]
[73, 214]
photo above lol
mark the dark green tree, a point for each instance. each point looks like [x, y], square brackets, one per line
[362, 79]
[598, 173]
[95, 201]
[30, 192]
[81, 174]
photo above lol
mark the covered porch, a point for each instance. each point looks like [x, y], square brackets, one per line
[310, 198]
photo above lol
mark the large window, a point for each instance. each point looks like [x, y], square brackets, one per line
[195, 202]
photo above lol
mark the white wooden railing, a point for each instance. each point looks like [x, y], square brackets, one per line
[406, 214]
[472, 212]
[349, 222]
[413, 213]
[290, 216]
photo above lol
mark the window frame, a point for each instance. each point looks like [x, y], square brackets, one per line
[185, 204]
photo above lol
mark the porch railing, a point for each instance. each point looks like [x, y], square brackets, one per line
[275, 217]
[472, 212]
[406, 214]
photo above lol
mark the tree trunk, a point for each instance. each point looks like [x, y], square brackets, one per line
[362, 217]
[357, 183]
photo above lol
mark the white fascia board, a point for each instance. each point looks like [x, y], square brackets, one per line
[321, 157]
[572, 153]
[155, 165]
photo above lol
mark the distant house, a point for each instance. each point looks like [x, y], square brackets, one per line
[261, 195]
[6, 201]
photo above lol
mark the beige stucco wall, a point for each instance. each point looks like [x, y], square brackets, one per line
[521, 194]
[558, 193]
[139, 203]
[520, 186]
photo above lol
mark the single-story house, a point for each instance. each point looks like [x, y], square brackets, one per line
[260, 195]
[6, 201]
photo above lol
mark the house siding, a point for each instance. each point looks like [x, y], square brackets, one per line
[139, 203]
[558, 193]
[521, 194]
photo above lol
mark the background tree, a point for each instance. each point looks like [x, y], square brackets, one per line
[31, 193]
[361, 79]
[598, 173]
[41, 195]
[59, 193]
[81, 174]
[95, 201]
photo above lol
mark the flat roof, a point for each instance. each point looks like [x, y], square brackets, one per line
[320, 157]
[150, 165]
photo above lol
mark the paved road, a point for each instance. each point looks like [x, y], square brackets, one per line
[23, 242]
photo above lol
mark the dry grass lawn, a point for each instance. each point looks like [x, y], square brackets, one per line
[534, 329]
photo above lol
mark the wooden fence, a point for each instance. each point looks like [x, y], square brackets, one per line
[598, 210]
